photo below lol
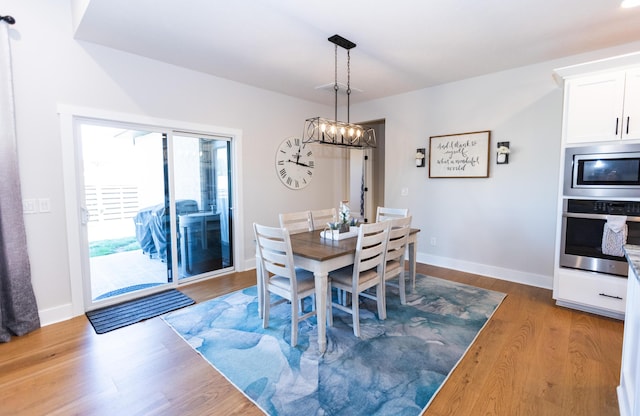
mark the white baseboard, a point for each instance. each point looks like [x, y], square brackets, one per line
[249, 264]
[64, 312]
[55, 315]
[516, 276]
[590, 309]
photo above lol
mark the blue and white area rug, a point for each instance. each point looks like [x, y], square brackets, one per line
[395, 368]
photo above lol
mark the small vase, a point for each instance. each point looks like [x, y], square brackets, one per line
[344, 227]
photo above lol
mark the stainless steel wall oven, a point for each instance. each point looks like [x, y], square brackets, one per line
[582, 233]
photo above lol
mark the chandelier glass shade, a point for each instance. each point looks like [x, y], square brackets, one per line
[335, 132]
[338, 133]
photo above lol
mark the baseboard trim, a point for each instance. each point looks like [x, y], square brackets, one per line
[55, 315]
[590, 309]
[516, 276]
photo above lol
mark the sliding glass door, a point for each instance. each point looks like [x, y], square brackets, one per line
[156, 205]
[203, 204]
[124, 190]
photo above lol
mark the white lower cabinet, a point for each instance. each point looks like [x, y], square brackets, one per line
[599, 293]
[629, 389]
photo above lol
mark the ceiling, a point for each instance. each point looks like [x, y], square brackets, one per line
[403, 45]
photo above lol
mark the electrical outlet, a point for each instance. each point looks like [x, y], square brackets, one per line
[44, 205]
[433, 241]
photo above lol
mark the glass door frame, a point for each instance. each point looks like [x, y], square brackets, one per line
[70, 120]
[171, 139]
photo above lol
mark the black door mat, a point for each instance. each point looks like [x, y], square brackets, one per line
[137, 310]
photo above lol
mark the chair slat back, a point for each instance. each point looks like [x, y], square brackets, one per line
[274, 249]
[398, 238]
[385, 213]
[296, 222]
[320, 218]
[371, 247]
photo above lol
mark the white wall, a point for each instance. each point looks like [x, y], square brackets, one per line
[501, 226]
[50, 68]
[504, 225]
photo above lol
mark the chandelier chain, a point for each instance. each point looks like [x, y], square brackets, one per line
[348, 83]
[335, 82]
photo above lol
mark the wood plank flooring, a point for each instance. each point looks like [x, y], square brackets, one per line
[532, 358]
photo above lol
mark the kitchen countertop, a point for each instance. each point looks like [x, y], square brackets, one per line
[633, 256]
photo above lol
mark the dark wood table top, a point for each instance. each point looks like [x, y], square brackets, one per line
[311, 245]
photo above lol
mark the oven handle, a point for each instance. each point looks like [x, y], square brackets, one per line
[595, 216]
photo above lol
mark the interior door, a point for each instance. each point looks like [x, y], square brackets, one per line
[366, 176]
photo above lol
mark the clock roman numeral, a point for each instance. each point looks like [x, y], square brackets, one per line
[281, 162]
[289, 180]
[283, 172]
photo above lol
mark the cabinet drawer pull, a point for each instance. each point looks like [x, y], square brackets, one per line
[610, 296]
[627, 124]
[617, 122]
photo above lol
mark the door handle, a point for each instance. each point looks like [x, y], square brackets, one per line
[84, 215]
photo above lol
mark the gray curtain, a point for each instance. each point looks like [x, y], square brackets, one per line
[18, 308]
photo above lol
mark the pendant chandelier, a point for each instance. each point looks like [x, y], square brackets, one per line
[334, 132]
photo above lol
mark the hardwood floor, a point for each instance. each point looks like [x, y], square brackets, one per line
[532, 358]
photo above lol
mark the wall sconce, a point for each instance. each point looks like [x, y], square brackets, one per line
[503, 153]
[420, 158]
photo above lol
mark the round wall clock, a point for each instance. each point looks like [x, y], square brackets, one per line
[294, 163]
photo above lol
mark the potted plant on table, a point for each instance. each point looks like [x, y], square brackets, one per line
[344, 219]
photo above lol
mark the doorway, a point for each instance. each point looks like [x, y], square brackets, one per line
[366, 176]
[156, 207]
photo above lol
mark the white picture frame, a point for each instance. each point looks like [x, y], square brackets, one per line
[463, 155]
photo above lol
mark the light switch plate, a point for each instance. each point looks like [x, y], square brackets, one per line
[44, 205]
[29, 206]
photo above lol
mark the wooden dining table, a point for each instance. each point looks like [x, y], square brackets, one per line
[321, 255]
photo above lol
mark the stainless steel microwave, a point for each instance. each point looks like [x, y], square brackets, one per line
[611, 171]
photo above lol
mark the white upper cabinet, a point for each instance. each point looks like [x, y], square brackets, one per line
[603, 107]
[631, 122]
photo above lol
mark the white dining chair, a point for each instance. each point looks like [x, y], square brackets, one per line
[296, 222]
[366, 272]
[320, 218]
[384, 213]
[394, 260]
[281, 277]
